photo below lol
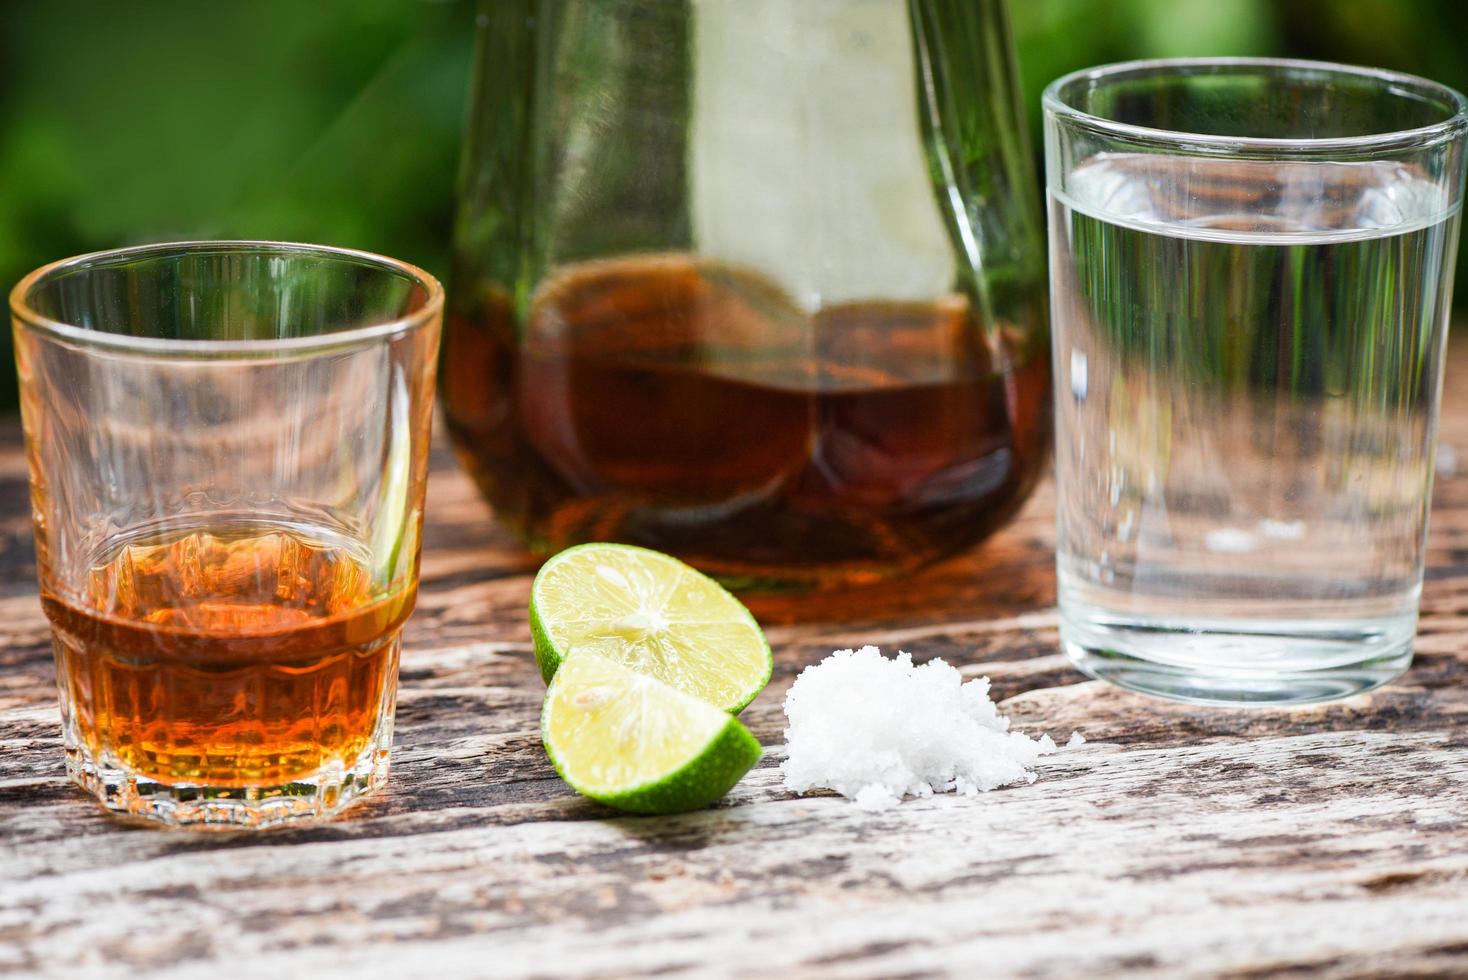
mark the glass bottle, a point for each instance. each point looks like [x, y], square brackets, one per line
[754, 282]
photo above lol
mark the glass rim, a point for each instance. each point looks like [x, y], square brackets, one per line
[24, 314]
[1400, 83]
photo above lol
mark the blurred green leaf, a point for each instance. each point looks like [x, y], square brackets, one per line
[333, 121]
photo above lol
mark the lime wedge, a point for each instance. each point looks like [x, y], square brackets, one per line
[634, 743]
[652, 613]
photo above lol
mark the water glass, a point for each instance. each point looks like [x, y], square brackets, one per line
[228, 447]
[1251, 272]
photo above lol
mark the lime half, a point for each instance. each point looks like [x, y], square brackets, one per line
[652, 613]
[634, 743]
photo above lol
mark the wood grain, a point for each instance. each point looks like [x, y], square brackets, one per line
[1178, 841]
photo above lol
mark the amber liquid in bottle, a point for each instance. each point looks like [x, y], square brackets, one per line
[239, 654]
[694, 408]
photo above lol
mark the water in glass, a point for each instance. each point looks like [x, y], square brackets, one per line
[1248, 356]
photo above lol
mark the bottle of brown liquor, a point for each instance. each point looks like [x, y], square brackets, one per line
[757, 283]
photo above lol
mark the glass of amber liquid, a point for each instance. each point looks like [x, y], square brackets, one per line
[228, 447]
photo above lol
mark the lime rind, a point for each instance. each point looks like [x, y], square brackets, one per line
[653, 614]
[629, 741]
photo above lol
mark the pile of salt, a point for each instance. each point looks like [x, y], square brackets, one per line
[876, 730]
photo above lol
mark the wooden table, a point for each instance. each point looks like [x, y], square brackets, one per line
[1176, 841]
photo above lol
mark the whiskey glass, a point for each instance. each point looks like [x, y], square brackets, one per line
[227, 445]
[760, 283]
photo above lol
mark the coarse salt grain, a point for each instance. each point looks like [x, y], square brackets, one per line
[877, 730]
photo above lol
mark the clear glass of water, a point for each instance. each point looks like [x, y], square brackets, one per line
[1251, 272]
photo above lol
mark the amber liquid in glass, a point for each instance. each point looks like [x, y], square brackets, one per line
[238, 654]
[692, 407]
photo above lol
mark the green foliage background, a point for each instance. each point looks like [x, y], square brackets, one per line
[339, 120]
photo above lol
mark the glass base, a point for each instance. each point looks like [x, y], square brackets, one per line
[316, 797]
[1202, 665]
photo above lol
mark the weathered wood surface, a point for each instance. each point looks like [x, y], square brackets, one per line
[1177, 841]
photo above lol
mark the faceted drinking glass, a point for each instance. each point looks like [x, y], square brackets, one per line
[1251, 271]
[757, 282]
[228, 446]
